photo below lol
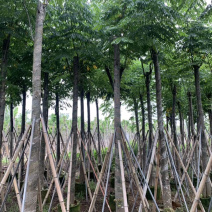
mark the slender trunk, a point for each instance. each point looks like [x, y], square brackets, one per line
[88, 112]
[191, 117]
[23, 121]
[117, 126]
[174, 95]
[201, 126]
[11, 129]
[32, 184]
[143, 132]
[137, 124]
[167, 201]
[74, 127]
[45, 118]
[58, 126]
[5, 50]
[98, 131]
[181, 124]
[210, 120]
[82, 179]
[149, 105]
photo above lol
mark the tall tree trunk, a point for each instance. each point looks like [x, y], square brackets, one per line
[181, 124]
[98, 131]
[201, 126]
[58, 126]
[167, 201]
[191, 117]
[5, 50]
[137, 125]
[45, 118]
[149, 105]
[82, 179]
[174, 95]
[23, 123]
[210, 120]
[32, 184]
[88, 111]
[117, 126]
[143, 131]
[11, 129]
[74, 127]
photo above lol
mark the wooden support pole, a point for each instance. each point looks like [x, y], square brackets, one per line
[4, 179]
[201, 186]
[123, 178]
[135, 177]
[185, 171]
[100, 177]
[54, 173]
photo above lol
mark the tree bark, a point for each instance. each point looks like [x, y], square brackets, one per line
[201, 126]
[143, 131]
[181, 124]
[45, 118]
[98, 131]
[137, 124]
[149, 105]
[11, 129]
[174, 95]
[210, 120]
[58, 126]
[5, 50]
[82, 178]
[191, 117]
[74, 127]
[88, 111]
[167, 201]
[32, 184]
[117, 126]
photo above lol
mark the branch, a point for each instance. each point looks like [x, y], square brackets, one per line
[109, 76]
[30, 25]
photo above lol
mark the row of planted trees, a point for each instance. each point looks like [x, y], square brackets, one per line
[153, 56]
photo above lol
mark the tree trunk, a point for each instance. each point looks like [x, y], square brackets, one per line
[191, 117]
[117, 126]
[174, 95]
[167, 201]
[137, 124]
[201, 126]
[11, 129]
[74, 127]
[88, 111]
[5, 50]
[98, 131]
[32, 184]
[58, 126]
[181, 124]
[23, 121]
[45, 118]
[143, 131]
[82, 178]
[210, 120]
[149, 106]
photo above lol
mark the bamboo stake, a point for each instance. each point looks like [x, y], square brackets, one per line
[4, 179]
[56, 181]
[101, 187]
[185, 171]
[15, 180]
[123, 178]
[85, 175]
[186, 168]
[151, 162]
[201, 186]
[39, 197]
[100, 177]
[58, 166]
[69, 179]
[135, 177]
